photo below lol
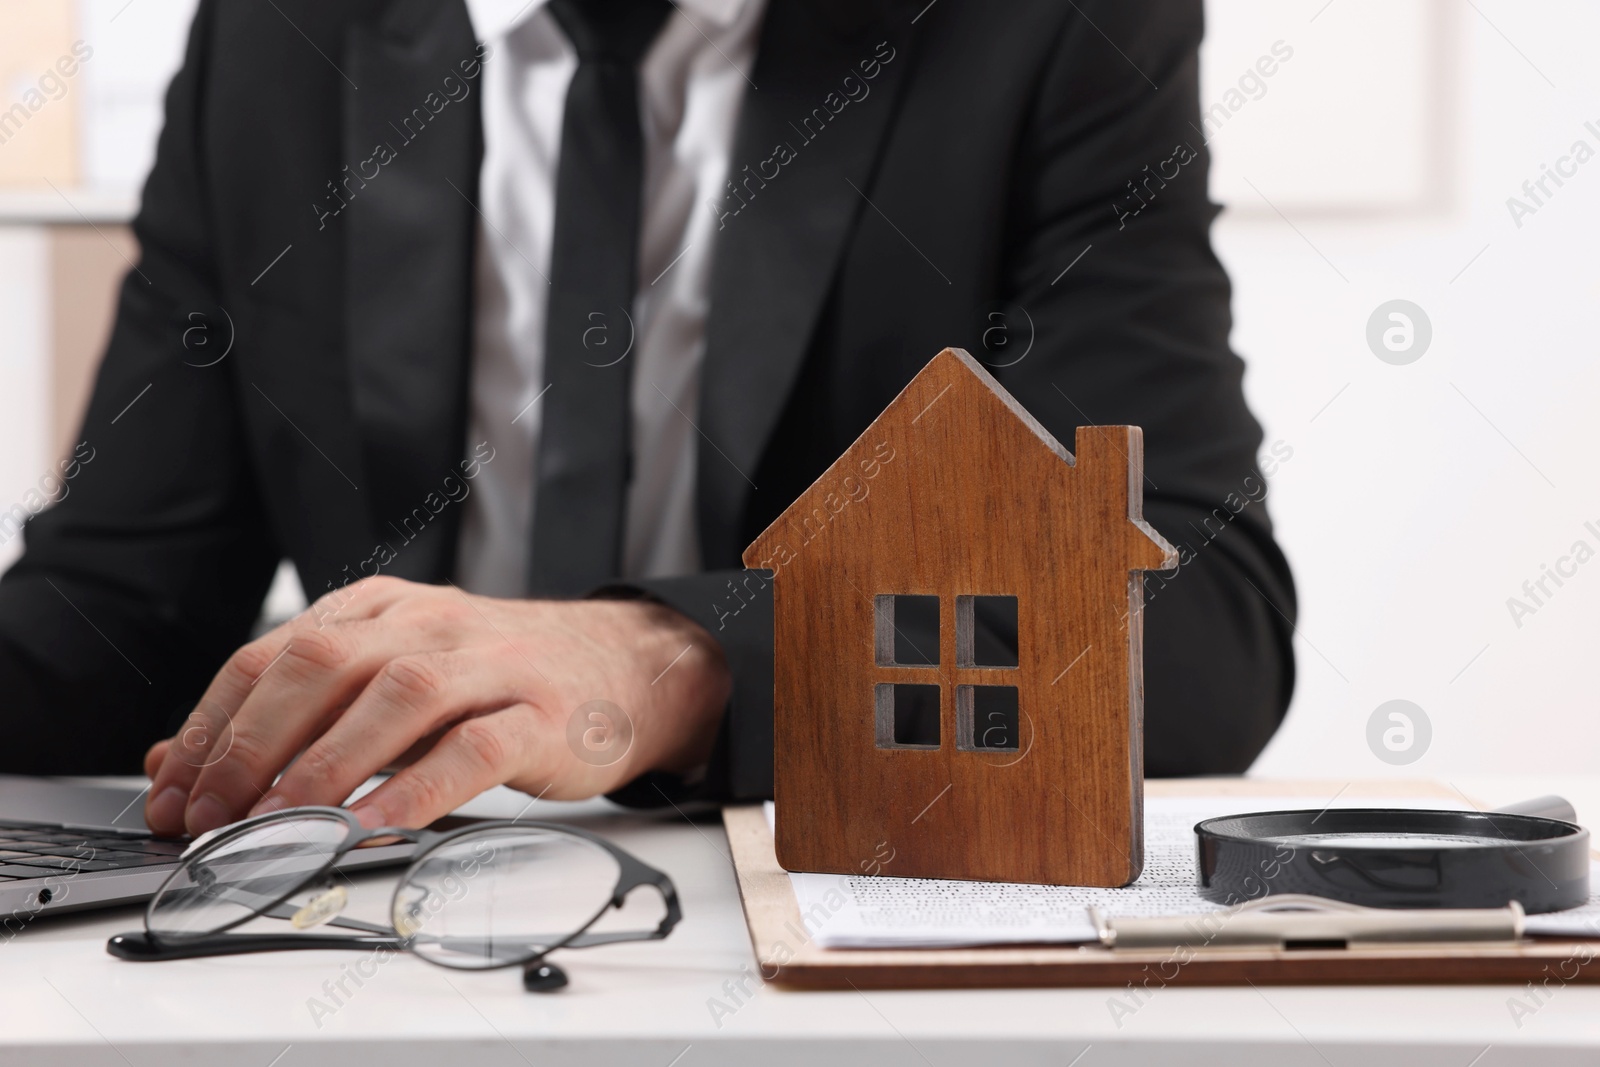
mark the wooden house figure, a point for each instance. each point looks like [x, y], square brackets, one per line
[958, 685]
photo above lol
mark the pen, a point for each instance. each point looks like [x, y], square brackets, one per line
[1296, 921]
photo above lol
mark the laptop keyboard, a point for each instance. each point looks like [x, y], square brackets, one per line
[28, 850]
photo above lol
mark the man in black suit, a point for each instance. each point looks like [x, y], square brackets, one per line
[1024, 178]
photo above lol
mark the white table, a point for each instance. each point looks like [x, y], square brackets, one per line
[65, 1002]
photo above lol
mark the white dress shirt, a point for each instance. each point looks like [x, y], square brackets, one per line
[691, 84]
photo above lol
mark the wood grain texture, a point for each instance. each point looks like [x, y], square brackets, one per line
[956, 491]
[786, 955]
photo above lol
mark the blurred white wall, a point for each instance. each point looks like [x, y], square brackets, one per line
[138, 46]
[1372, 164]
[1420, 497]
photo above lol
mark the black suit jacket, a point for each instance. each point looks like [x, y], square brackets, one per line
[287, 374]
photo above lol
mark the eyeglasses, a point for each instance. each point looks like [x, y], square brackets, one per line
[494, 894]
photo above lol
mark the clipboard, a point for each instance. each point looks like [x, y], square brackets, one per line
[787, 957]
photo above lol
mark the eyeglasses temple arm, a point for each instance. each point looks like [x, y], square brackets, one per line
[669, 896]
[674, 914]
[139, 945]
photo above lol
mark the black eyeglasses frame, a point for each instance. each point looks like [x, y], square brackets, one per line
[147, 946]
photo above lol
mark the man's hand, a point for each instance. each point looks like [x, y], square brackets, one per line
[467, 692]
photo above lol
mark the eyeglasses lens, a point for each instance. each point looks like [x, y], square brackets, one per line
[236, 877]
[503, 896]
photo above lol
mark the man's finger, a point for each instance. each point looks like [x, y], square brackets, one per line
[407, 700]
[474, 755]
[153, 758]
[318, 674]
[207, 734]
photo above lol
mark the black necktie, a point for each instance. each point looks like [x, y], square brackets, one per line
[584, 440]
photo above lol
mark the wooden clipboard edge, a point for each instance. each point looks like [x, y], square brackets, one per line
[786, 956]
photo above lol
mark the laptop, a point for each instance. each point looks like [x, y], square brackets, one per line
[66, 847]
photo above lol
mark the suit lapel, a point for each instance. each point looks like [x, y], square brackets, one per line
[796, 190]
[414, 143]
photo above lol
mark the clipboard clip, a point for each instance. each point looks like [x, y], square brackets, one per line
[1298, 921]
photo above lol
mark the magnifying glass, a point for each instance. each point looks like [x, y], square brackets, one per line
[1532, 853]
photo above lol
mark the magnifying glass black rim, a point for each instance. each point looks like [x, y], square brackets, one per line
[1541, 863]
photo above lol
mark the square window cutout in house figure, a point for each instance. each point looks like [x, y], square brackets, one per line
[906, 630]
[906, 716]
[987, 718]
[986, 631]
